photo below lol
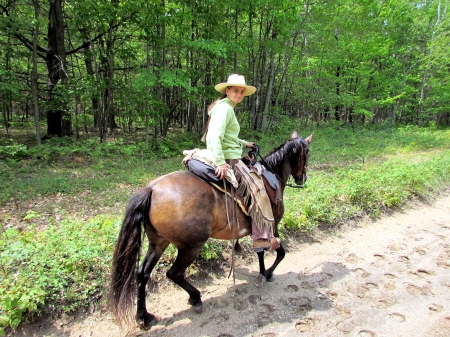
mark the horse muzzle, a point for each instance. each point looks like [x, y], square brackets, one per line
[300, 181]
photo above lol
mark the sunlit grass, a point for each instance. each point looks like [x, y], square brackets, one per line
[352, 172]
[342, 192]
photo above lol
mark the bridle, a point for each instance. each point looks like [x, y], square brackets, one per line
[303, 174]
[303, 177]
[255, 153]
[296, 186]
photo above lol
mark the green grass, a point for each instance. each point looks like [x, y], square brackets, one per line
[60, 265]
[365, 172]
[341, 193]
[72, 168]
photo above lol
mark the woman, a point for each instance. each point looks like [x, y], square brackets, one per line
[223, 128]
[222, 140]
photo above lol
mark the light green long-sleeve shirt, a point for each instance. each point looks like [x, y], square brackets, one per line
[223, 131]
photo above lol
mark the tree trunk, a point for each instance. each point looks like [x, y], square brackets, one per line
[268, 95]
[162, 91]
[34, 80]
[7, 101]
[103, 74]
[58, 122]
[88, 60]
[337, 116]
[147, 90]
[109, 111]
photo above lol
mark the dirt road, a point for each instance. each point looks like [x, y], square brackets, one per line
[385, 278]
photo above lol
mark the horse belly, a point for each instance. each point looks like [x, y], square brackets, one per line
[228, 231]
[228, 228]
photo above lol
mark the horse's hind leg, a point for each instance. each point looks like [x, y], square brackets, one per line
[176, 273]
[144, 319]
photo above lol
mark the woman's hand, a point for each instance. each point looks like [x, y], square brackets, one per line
[221, 171]
[250, 145]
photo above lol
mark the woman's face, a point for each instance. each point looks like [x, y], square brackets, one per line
[235, 94]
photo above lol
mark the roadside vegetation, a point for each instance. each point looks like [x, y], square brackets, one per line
[61, 204]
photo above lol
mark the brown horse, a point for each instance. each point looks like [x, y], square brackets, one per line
[184, 210]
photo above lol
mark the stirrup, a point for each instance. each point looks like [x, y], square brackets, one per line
[261, 244]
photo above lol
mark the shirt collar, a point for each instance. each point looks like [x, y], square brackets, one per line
[227, 100]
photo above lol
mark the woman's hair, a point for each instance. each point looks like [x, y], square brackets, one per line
[215, 102]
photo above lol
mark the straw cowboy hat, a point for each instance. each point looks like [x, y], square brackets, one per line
[235, 80]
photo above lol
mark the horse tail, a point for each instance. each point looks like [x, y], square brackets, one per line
[126, 255]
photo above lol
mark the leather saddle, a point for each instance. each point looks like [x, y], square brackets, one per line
[203, 170]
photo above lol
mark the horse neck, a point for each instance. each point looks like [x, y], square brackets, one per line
[279, 161]
[281, 167]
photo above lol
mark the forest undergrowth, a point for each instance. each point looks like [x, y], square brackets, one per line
[61, 204]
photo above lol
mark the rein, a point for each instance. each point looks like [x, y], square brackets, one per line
[232, 224]
[296, 186]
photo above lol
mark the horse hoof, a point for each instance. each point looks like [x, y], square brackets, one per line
[260, 281]
[146, 322]
[237, 247]
[197, 305]
[198, 308]
[271, 279]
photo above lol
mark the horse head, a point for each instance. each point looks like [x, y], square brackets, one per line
[299, 163]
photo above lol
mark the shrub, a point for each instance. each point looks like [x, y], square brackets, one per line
[59, 268]
[15, 151]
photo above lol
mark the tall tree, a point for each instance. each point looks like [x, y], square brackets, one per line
[34, 79]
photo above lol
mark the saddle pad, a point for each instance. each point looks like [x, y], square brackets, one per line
[271, 179]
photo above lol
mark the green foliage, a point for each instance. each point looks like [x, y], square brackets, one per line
[353, 62]
[62, 266]
[294, 221]
[67, 166]
[210, 47]
[59, 267]
[363, 172]
[10, 86]
[15, 151]
[211, 250]
[145, 79]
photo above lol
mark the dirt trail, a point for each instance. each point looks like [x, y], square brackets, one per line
[385, 278]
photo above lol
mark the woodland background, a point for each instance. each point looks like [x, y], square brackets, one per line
[97, 98]
[73, 67]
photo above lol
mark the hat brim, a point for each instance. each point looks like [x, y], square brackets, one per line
[249, 90]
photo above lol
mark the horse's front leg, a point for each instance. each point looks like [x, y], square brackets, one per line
[268, 274]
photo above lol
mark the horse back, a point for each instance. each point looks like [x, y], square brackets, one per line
[185, 208]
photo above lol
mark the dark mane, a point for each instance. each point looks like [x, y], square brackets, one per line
[274, 159]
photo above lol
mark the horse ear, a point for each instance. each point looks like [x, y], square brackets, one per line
[294, 134]
[310, 138]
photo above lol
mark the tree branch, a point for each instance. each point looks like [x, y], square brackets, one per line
[87, 43]
[26, 42]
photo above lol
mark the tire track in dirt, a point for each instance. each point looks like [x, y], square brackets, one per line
[385, 278]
